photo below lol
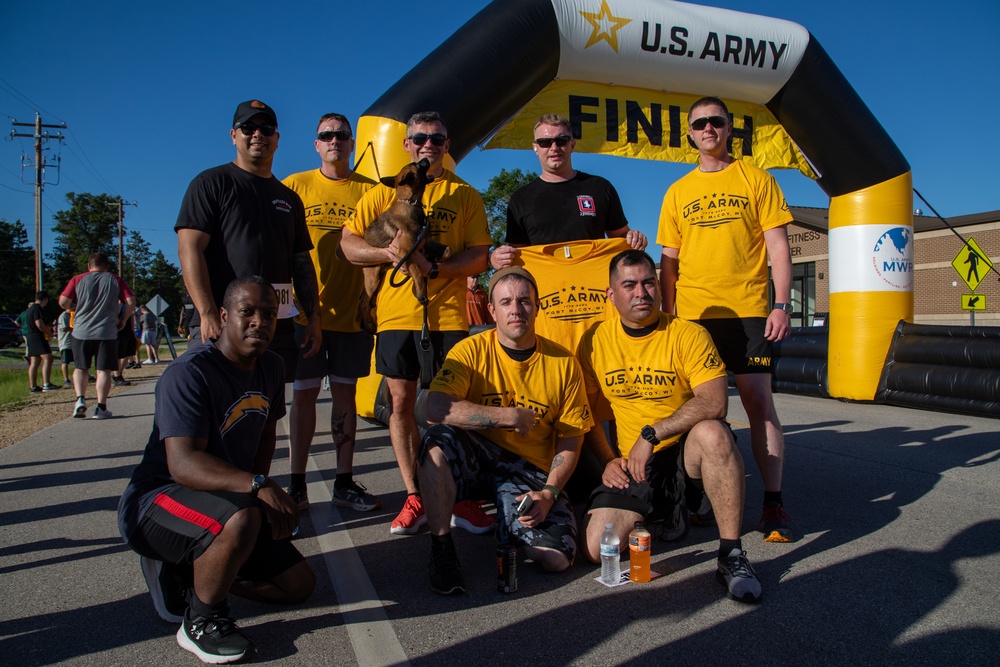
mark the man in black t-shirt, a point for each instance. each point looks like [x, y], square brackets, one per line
[238, 220]
[37, 344]
[562, 204]
[199, 508]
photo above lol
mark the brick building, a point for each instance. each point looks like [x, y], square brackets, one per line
[938, 287]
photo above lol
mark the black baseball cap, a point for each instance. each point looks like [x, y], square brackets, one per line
[248, 110]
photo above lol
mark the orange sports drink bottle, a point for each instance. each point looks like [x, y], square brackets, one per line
[639, 547]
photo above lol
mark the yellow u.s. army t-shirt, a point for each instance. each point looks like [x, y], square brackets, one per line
[458, 220]
[549, 382]
[647, 378]
[329, 204]
[718, 220]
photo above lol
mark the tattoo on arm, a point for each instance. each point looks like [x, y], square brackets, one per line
[304, 281]
[558, 460]
[482, 421]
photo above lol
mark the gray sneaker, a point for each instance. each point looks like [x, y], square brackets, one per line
[355, 496]
[80, 408]
[737, 575]
[101, 414]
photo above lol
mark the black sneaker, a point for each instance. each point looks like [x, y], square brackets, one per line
[445, 575]
[34, 390]
[300, 496]
[167, 589]
[48, 386]
[214, 640]
[355, 496]
[119, 381]
[737, 575]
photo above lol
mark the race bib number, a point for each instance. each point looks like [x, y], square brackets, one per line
[286, 306]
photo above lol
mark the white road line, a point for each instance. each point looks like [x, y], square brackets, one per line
[372, 636]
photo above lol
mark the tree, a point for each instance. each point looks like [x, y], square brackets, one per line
[138, 258]
[89, 225]
[17, 267]
[495, 197]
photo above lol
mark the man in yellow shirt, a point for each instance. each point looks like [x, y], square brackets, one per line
[667, 388]
[510, 413]
[457, 218]
[719, 224]
[329, 195]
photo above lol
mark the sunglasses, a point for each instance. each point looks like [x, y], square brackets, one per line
[420, 139]
[330, 135]
[561, 140]
[249, 128]
[718, 122]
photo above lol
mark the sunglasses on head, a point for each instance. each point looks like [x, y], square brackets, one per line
[420, 138]
[330, 135]
[561, 140]
[718, 122]
[249, 128]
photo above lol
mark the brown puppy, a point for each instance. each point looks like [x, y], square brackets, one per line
[407, 214]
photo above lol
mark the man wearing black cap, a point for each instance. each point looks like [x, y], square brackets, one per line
[238, 220]
[510, 412]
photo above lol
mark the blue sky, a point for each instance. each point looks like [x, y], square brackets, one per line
[148, 92]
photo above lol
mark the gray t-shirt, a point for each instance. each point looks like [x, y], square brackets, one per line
[97, 295]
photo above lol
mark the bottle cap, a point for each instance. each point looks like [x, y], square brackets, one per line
[609, 526]
[639, 524]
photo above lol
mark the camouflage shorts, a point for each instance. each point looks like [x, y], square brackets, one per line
[483, 470]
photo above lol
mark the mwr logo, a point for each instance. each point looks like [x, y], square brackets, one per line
[252, 402]
[282, 205]
[892, 257]
[586, 204]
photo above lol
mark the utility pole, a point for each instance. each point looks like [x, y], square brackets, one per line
[39, 137]
[121, 234]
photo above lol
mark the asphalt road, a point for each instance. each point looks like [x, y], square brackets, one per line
[898, 512]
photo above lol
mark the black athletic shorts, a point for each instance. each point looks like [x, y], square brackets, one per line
[397, 353]
[36, 345]
[741, 344]
[344, 354]
[654, 499]
[126, 343]
[67, 355]
[106, 352]
[181, 524]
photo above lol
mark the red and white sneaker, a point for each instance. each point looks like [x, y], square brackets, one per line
[469, 515]
[410, 518]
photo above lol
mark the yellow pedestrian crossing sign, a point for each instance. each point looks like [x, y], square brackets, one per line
[972, 265]
[973, 302]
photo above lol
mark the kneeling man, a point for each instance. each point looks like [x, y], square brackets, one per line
[510, 412]
[667, 388]
[200, 509]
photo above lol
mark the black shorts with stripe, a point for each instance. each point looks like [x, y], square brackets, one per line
[181, 524]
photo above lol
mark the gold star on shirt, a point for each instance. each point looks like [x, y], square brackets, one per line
[605, 25]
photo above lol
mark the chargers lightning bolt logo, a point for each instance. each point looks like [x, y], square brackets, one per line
[251, 402]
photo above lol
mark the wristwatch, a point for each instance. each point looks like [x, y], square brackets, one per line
[433, 273]
[258, 482]
[786, 307]
[554, 490]
[649, 435]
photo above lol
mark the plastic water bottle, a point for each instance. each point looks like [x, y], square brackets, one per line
[639, 552]
[610, 555]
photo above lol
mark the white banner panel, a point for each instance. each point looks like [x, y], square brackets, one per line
[677, 47]
[871, 258]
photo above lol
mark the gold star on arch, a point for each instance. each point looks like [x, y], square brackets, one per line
[605, 25]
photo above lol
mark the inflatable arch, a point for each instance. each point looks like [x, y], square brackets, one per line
[625, 73]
